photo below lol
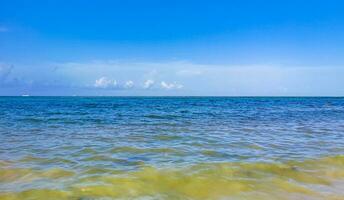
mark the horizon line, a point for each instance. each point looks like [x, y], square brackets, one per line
[230, 96]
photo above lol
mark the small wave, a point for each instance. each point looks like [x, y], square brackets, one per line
[202, 181]
[163, 116]
[127, 149]
[28, 175]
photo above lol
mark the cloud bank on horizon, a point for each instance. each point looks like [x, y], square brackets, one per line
[171, 78]
[232, 48]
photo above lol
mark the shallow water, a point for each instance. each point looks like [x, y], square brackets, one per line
[171, 148]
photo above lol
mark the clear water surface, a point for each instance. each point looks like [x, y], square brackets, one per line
[171, 148]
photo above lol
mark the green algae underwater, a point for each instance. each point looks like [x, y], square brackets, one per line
[311, 179]
[157, 148]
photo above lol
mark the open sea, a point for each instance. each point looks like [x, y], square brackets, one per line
[152, 148]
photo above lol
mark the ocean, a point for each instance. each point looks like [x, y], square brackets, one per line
[192, 148]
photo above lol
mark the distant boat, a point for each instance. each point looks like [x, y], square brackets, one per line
[25, 95]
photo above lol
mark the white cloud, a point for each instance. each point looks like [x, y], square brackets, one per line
[148, 84]
[170, 86]
[128, 84]
[104, 82]
[201, 79]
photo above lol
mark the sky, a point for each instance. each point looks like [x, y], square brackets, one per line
[168, 48]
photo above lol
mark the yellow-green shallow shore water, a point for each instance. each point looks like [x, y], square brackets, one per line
[167, 148]
[321, 178]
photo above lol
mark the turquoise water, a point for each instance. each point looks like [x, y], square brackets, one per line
[171, 148]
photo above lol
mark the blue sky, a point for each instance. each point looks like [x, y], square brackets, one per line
[235, 48]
